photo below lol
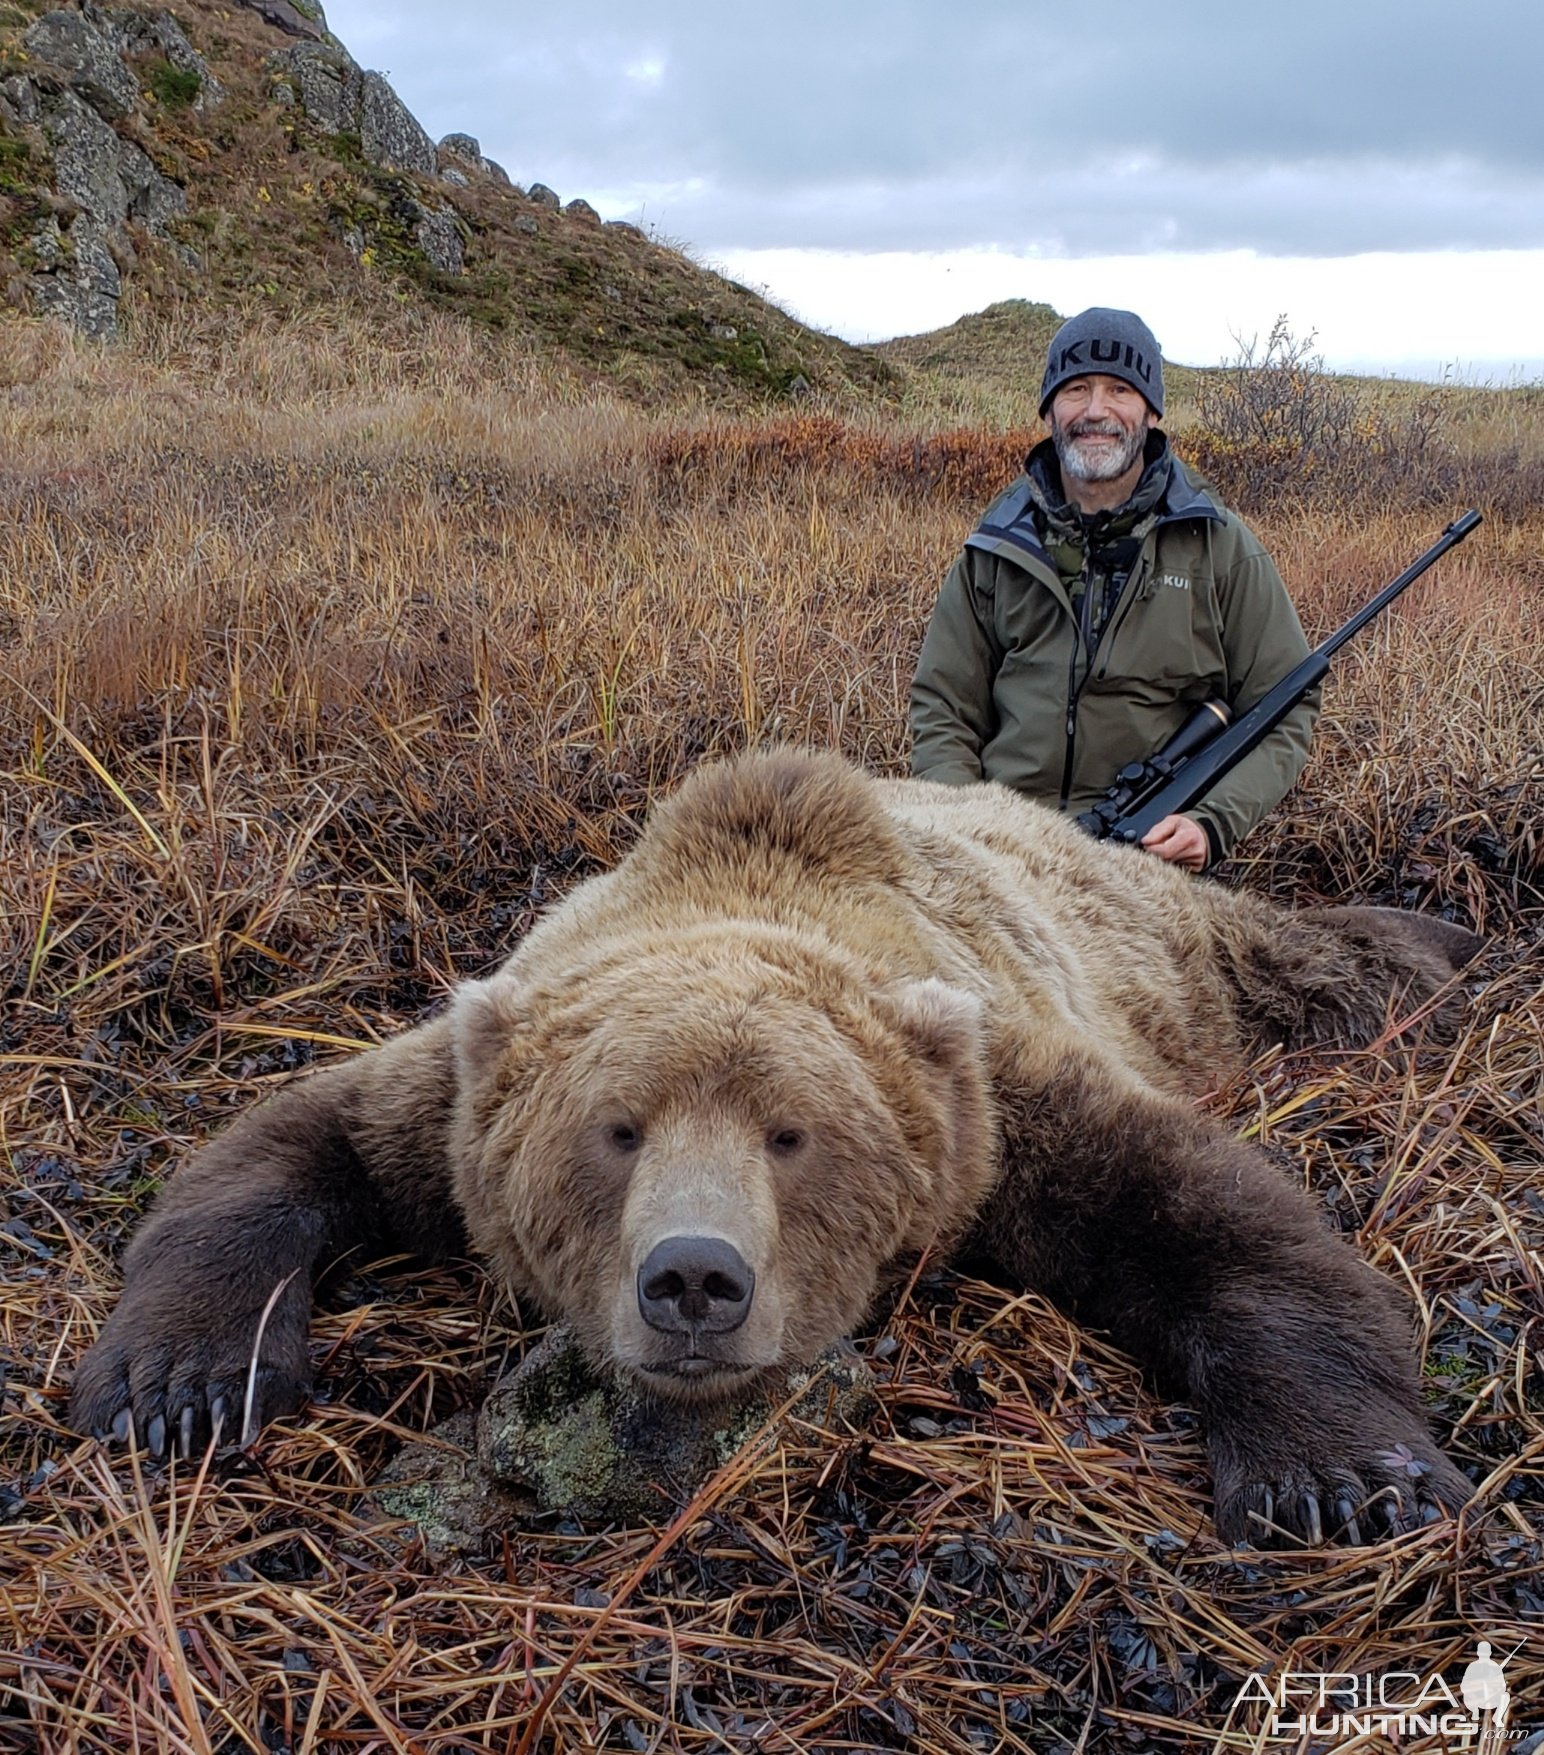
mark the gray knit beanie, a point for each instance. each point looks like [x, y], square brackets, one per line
[1117, 343]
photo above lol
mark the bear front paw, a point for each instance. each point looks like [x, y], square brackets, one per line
[175, 1378]
[1288, 1494]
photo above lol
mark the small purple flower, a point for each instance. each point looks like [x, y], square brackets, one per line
[1402, 1461]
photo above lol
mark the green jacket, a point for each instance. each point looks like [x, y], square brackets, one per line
[1005, 689]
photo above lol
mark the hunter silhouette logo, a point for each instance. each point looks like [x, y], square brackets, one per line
[1484, 1686]
[1310, 1705]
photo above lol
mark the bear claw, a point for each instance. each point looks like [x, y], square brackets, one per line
[1288, 1515]
[1346, 1520]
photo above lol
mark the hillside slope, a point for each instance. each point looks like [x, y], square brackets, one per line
[991, 360]
[995, 344]
[238, 156]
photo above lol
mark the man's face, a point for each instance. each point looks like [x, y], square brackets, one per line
[1099, 425]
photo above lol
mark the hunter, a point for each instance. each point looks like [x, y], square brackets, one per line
[1102, 598]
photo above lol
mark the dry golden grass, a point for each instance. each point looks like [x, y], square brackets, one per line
[327, 659]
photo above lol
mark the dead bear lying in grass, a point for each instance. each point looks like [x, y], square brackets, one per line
[813, 1024]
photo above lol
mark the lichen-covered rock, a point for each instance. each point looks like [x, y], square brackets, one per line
[47, 246]
[460, 160]
[558, 1434]
[88, 58]
[440, 1487]
[389, 133]
[109, 178]
[325, 82]
[338, 98]
[304, 19]
[588, 1442]
[159, 34]
[582, 210]
[463, 149]
[543, 196]
[86, 161]
[19, 98]
[78, 278]
[439, 237]
[101, 179]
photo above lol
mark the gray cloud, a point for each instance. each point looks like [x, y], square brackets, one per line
[1344, 126]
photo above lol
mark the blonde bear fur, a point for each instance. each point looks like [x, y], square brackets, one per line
[812, 1025]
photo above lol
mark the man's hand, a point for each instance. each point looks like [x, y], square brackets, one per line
[1179, 840]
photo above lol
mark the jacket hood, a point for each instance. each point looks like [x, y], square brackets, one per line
[1015, 518]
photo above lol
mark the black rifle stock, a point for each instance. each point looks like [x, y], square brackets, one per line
[1207, 746]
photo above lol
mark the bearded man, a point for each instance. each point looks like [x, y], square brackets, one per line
[1101, 599]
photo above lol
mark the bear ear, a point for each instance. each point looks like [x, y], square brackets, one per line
[943, 1023]
[488, 1019]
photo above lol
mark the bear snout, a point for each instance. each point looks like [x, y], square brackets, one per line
[695, 1286]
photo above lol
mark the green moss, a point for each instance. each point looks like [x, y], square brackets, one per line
[740, 353]
[346, 148]
[17, 176]
[175, 87]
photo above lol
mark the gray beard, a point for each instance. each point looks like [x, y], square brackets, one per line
[1101, 465]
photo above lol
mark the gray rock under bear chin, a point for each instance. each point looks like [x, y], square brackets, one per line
[559, 1434]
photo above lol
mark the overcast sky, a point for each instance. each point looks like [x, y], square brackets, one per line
[1374, 169]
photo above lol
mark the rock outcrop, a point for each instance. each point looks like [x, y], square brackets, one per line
[78, 84]
[292, 20]
[460, 160]
[337, 96]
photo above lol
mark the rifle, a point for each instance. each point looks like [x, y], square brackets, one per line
[1207, 745]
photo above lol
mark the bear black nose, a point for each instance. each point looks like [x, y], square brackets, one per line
[697, 1285]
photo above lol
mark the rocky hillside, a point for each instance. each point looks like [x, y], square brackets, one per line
[237, 155]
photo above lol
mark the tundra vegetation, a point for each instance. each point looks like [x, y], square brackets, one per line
[331, 648]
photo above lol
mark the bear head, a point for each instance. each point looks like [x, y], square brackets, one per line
[704, 1149]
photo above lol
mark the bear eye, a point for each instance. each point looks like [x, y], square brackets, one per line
[785, 1140]
[625, 1137]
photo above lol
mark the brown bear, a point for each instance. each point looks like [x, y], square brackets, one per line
[813, 1024]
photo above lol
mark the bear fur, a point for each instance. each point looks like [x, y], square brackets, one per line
[813, 1024]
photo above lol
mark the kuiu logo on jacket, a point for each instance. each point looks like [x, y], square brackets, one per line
[1104, 353]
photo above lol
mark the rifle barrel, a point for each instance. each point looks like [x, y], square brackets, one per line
[1196, 776]
[1453, 535]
